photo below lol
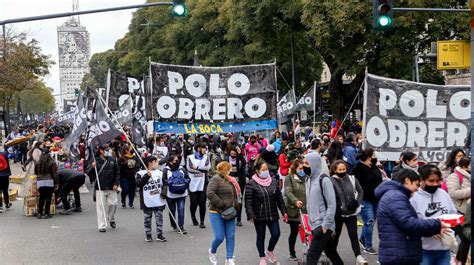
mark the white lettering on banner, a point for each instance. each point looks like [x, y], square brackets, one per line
[412, 103]
[387, 100]
[460, 105]
[133, 84]
[398, 133]
[433, 110]
[416, 134]
[201, 108]
[122, 99]
[98, 129]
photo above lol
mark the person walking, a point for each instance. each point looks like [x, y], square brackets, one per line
[68, 180]
[225, 200]
[129, 165]
[321, 207]
[350, 151]
[177, 178]
[5, 173]
[369, 177]
[430, 202]
[400, 229]
[350, 194]
[237, 161]
[198, 166]
[263, 198]
[153, 190]
[108, 177]
[295, 201]
[46, 172]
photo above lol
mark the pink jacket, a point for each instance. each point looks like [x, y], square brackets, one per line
[252, 150]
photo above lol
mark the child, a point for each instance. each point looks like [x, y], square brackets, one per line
[152, 196]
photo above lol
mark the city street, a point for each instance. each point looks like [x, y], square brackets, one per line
[76, 240]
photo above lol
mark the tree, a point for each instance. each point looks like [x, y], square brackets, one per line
[344, 37]
[39, 99]
[20, 70]
[223, 32]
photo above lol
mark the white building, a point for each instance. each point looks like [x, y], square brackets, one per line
[74, 55]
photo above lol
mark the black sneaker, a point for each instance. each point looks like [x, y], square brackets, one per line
[239, 223]
[7, 206]
[370, 251]
[65, 212]
[148, 238]
[201, 225]
[113, 224]
[124, 206]
[77, 210]
[131, 207]
[293, 257]
[39, 216]
[361, 243]
[160, 238]
[183, 230]
[195, 222]
[47, 216]
[102, 230]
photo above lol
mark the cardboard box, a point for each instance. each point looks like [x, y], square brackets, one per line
[17, 179]
[29, 211]
[30, 201]
[13, 194]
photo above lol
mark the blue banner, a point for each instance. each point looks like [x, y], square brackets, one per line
[206, 128]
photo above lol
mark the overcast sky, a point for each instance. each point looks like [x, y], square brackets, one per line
[104, 28]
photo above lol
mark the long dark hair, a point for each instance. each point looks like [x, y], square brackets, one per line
[450, 162]
[333, 167]
[44, 163]
[295, 165]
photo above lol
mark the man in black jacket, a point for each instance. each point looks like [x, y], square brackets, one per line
[70, 180]
[106, 185]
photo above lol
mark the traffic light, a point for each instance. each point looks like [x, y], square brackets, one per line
[179, 8]
[77, 92]
[382, 14]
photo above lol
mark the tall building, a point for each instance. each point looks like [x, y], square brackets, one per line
[74, 55]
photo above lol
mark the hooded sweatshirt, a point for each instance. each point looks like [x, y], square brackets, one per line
[431, 206]
[318, 213]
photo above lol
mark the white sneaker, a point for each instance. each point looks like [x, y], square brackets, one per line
[230, 262]
[213, 258]
[361, 260]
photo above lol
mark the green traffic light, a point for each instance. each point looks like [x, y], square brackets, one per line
[384, 21]
[180, 10]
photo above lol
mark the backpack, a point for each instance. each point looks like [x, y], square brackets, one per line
[460, 178]
[3, 163]
[338, 202]
[177, 183]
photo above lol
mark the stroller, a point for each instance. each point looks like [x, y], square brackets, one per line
[306, 237]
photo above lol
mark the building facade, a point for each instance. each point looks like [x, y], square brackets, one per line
[74, 55]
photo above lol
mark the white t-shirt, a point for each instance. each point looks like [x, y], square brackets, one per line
[152, 189]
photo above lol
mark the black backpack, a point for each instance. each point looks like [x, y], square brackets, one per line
[338, 202]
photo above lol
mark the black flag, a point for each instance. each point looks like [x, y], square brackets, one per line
[79, 126]
[138, 125]
[307, 101]
[101, 129]
[124, 115]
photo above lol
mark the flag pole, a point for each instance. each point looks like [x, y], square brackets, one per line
[314, 105]
[139, 157]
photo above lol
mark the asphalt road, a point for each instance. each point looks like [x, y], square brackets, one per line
[76, 240]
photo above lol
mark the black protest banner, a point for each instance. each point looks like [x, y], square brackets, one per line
[307, 101]
[79, 126]
[66, 118]
[101, 130]
[213, 94]
[138, 125]
[120, 87]
[430, 120]
[124, 115]
[286, 106]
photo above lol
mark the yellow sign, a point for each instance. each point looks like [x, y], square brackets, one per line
[454, 54]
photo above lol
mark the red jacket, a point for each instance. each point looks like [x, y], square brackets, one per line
[284, 165]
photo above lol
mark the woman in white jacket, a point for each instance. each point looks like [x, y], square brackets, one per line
[459, 184]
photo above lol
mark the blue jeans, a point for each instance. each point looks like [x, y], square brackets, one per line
[128, 188]
[221, 229]
[368, 214]
[173, 204]
[436, 257]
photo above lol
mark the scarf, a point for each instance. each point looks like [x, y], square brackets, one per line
[198, 155]
[262, 182]
[234, 182]
[405, 166]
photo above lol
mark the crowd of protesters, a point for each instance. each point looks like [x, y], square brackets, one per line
[329, 177]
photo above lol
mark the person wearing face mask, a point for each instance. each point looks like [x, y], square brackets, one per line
[447, 167]
[252, 148]
[108, 176]
[237, 171]
[129, 166]
[430, 202]
[369, 177]
[177, 179]
[198, 166]
[263, 199]
[400, 229]
[295, 200]
[349, 193]
[161, 151]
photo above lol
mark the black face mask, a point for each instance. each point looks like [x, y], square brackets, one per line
[253, 142]
[307, 170]
[431, 189]
[233, 157]
[341, 175]
[174, 166]
[374, 161]
[326, 140]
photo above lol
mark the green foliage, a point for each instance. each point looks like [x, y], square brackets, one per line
[38, 99]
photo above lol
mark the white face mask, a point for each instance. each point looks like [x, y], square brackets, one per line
[264, 174]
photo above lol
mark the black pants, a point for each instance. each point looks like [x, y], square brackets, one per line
[73, 185]
[463, 249]
[4, 183]
[260, 228]
[351, 225]
[242, 182]
[323, 242]
[46, 193]
[294, 230]
[198, 198]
